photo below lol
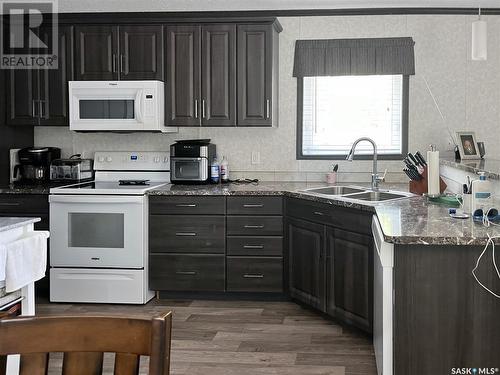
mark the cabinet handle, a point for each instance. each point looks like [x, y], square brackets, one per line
[121, 63]
[253, 205]
[318, 213]
[114, 63]
[203, 108]
[268, 104]
[41, 104]
[185, 234]
[33, 111]
[196, 108]
[248, 226]
[186, 273]
[185, 205]
[253, 246]
[253, 276]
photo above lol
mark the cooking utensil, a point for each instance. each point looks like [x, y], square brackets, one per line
[413, 159]
[419, 156]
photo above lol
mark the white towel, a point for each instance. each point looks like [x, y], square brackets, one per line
[26, 260]
[3, 262]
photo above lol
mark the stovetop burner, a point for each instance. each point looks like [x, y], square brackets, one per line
[134, 182]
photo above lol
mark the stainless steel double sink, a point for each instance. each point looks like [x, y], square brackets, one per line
[356, 193]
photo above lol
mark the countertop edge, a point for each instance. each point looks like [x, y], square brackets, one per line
[17, 222]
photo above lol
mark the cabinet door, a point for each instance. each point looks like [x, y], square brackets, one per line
[306, 245]
[141, 52]
[96, 52]
[219, 75]
[255, 75]
[349, 277]
[54, 106]
[22, 97]
[182, 97]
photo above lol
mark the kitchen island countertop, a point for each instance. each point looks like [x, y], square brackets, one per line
[406, 221]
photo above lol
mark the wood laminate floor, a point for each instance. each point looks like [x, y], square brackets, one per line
[243, 338]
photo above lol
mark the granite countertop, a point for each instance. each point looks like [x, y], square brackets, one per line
[8, 223]
[490, 166]
[42, 188]
[406, 221]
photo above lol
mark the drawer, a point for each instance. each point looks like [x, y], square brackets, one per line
[24, 203]
[187, 205]
[254, 225]
[255, 246]
[187, 234]
[187, 272]
[254, 274]
[351, 219]
[254, 205]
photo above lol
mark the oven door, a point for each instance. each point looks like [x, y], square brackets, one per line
[189, 169]
[98, 231]
[106, 108]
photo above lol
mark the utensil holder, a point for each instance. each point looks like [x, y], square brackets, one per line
[420, 187]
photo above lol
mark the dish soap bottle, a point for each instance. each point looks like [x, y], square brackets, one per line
[224, 170]
[214, 171]
[481, 193]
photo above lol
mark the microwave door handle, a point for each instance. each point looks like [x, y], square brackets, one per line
[138, 106]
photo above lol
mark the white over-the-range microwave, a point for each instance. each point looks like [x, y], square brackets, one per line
[121, 106]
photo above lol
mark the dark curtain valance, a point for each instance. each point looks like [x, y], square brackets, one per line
[341, 57]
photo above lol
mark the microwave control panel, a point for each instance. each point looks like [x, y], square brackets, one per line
[149, 103]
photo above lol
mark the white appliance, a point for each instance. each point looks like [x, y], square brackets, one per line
[383, 266]
[99, 230]
[123, 106]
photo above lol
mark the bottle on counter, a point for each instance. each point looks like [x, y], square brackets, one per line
[215, 171]
[481, 193]
[224, 170]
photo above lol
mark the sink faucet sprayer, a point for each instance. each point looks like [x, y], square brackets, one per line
[375, 177]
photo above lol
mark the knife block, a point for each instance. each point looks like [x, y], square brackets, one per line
[420, 187]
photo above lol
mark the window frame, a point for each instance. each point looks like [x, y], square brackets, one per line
[404, 128]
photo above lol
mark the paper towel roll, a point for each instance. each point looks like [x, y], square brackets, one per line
[433, 173]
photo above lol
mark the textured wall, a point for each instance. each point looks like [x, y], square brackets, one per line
[467, 91]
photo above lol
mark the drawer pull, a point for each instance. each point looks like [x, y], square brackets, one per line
[10, 204]
[186, 272]
[319, 213]
[253, 276]
[248, 226]
[185, 234]
[253, 205]
[253, 246]
[185, 205]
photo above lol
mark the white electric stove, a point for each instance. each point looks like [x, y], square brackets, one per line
[99, 230]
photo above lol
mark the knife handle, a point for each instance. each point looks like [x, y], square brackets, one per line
[419, 156]
[413, 159]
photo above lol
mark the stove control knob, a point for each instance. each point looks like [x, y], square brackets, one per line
[100, 159]
[109, 159]
[157, 159]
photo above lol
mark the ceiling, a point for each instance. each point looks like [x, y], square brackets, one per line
[237, 5]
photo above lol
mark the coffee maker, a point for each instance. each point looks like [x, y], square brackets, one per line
[34, 164]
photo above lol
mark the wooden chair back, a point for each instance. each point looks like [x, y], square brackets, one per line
[84, 340]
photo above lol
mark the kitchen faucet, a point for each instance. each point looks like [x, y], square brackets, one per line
[375, 177]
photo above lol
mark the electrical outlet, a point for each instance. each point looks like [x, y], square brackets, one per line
[255, 157]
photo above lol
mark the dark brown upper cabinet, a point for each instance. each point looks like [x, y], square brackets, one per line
[218, 101]
[141, 52]
[182, 95]
[132, 52]
[96, 53]
[201, 75]
[257, 75]
[40, 97]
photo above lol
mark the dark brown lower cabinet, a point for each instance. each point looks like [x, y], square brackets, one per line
[349, 277]
[306, 252]
[187, 272]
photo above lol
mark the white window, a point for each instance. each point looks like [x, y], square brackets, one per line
[338, 110]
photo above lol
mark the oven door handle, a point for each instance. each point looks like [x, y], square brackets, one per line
[95, 199]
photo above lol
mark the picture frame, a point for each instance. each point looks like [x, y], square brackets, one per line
[467, 145]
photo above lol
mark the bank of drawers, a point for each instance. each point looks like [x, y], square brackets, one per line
[195, 246]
